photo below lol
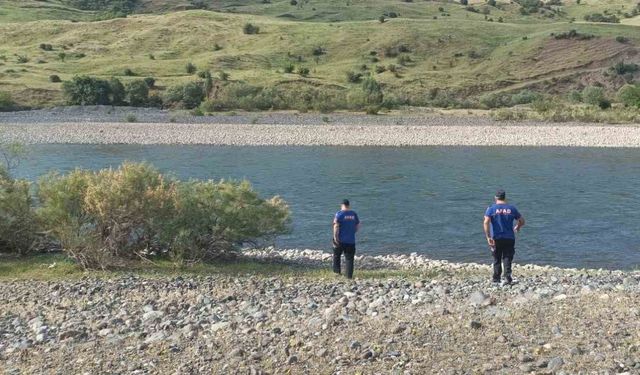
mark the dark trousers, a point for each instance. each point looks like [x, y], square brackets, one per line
[349, 253]
[503, 254]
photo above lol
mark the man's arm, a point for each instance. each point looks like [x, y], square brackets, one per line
[487, 231]
[336, 230]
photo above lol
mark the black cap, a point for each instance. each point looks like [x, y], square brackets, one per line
[345, 202]
[501, 194]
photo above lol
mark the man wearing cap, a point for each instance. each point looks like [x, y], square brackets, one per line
[345, 225]
[500, 233]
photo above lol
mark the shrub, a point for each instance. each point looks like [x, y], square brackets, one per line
[495, 100]
[6, 102]
[621, 39]
[303, 71]
[21, 59]
[621, 68]
[46, 47]
[132, 212]
[524, 97]
[118, 93]
[381, 19]
[404, 60]
[593, 95]
[190, 68]
[128, 72]
[380, 69]
[573, 34]
[354, 77]
[155, 101]
[250, 29]
[217, 47]
[188, 96]
[630, 95]
[137, 93]
[574, 96]
[318, 51]
[599, 17]
[18, 224]
[131, 118]
[150, 81]
[224, 76]
[84, 90]
[289, 68]
[54, 78]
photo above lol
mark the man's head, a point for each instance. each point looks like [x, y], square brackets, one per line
[501, 195]
[345, 204]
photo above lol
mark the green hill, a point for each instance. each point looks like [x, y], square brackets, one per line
[423, 51]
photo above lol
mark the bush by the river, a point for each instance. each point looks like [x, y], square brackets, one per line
[6, 102]
[18, 224]
[106, 218]
[629, 95]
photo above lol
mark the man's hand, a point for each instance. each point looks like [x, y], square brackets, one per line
[336, 242]
[517, 228]
[491, 242]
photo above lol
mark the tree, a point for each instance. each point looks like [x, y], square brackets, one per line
[84, 90]
[137, 93]
[190, 68]
[118, 93]
[249, 29]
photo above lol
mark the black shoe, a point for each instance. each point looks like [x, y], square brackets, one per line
[508, 281]
[495, 281]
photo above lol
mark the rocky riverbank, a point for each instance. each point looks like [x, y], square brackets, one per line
[99, 126]
[438, 317]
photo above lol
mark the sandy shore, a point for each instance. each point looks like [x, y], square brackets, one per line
[325, 135]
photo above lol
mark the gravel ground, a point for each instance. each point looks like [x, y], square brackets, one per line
[448, 320]
[97, 125]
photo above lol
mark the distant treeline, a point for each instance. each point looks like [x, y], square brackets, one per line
[115, 7]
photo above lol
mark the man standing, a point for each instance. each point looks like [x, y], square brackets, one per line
[500, 233]
[345, 226]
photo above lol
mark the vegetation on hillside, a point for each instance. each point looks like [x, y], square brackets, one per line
[260, 55]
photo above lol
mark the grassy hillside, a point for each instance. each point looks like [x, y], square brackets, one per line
[451, 50]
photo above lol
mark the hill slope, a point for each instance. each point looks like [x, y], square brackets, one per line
[459, 51]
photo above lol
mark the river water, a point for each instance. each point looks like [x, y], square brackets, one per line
[581, 204]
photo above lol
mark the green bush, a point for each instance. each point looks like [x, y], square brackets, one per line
[593, 95]
[18, 224]
[250, 29]
[495, 100]
[6, 102]
[118, 93]
[621, 68]
[106, 217]
[137, 93]
[630, 95]
[354, 77]
[128, 72]
[190, 68]
[187, 96]
[150, 81]
[54, 78]
[84, 90]
[599, 17]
